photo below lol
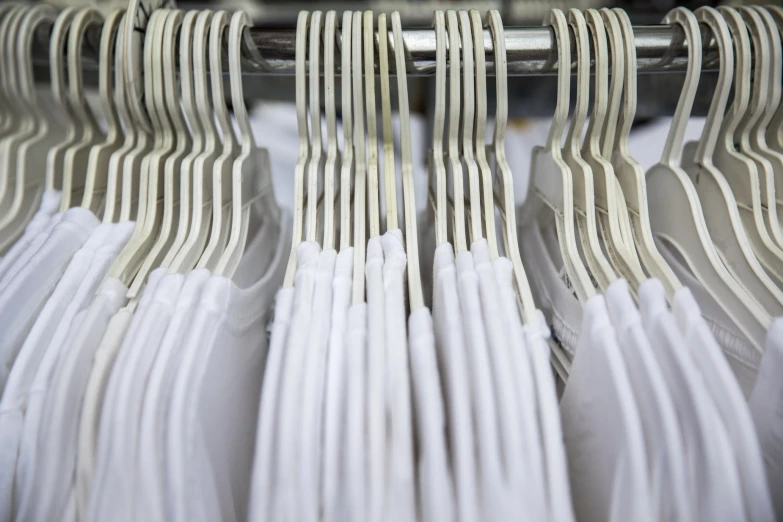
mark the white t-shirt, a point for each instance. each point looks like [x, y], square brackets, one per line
[356, 444]
[453, 362]
[376, 380]
[714, 480]
[401, 481]
[58, 439]
[22, 258]
[601, 428]
[212, 419]
[766, 406]
[50, 203]
[666, 458]
[21, 301]
[150, 500]
[731, 404]
[336, 391]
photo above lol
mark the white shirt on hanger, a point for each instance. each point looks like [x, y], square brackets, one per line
[50, 203]
[355, 440]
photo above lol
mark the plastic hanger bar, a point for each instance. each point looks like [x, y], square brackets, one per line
[530, 50]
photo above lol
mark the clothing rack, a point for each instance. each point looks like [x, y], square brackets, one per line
[531, 51]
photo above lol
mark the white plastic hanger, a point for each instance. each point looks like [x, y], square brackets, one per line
[195, 143]
[8, 12]
[469, 108]
[77, 155]
[251, 176]
[528, 306]
[347, 166]
[316, 143]
[629, 172]
[775, 127]
[479, 134]
[551, 179]
[332, 152]
[437, 166]
[582, 174]
[373, 188]
[675, 211]
[415, 294]
[608, 206]
[389, 169]
[302, 24]
[455, 163]
[360, 172]
[221, 176]
[740, 171]
[720, 208]
[96, 178]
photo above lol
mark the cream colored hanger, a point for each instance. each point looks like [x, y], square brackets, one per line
[332, 152]
[389, 169]
[740, 171]
[528, 306]
[582, 174]
[347, 165]
[608, 206]
[194, 145]
[717, 201]
[415, 294]
[775, 128]
[455, 163]
[302, 24]
[360, 172]
[221, 177]
[676, 214]
[437, 166]
[316, 143]
[373, 188]
[469, 107]
[251, 175]
[551, 178]
[628, 171]
[7, 13]
[96, 178]
[479, 133]
[77, 155]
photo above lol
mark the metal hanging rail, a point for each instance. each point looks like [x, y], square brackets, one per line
[530, 50]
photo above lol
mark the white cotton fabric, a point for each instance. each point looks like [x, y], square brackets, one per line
[24, 296]
[603, 434]
[355, 419]
[666, 458]
[307, 254]
[213, 412]
[401, 482]
[58, 437]
[313, 379]
[22, 258]
[743, 358]
[151, 480]
[436, 500]
[336, 391]
[495, 496]
[376, 380]
[766, 407]
[50, 203]
[453, 362]
[714, 483]
[513, 385]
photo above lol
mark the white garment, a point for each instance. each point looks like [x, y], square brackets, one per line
[213, 412]
[742, 356]
[666, 458]
[520, 446]
[732, 408]
[25, 254]
[50, 203]
[313, 379]
[453, 362]
[496, 497]
[151, 480]
[401, 482]
[601, 427]
[714, 480]
[376, 380]
[766, 406]
[336, 390]
[22, 300]
[355, 438]
[58, 437]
